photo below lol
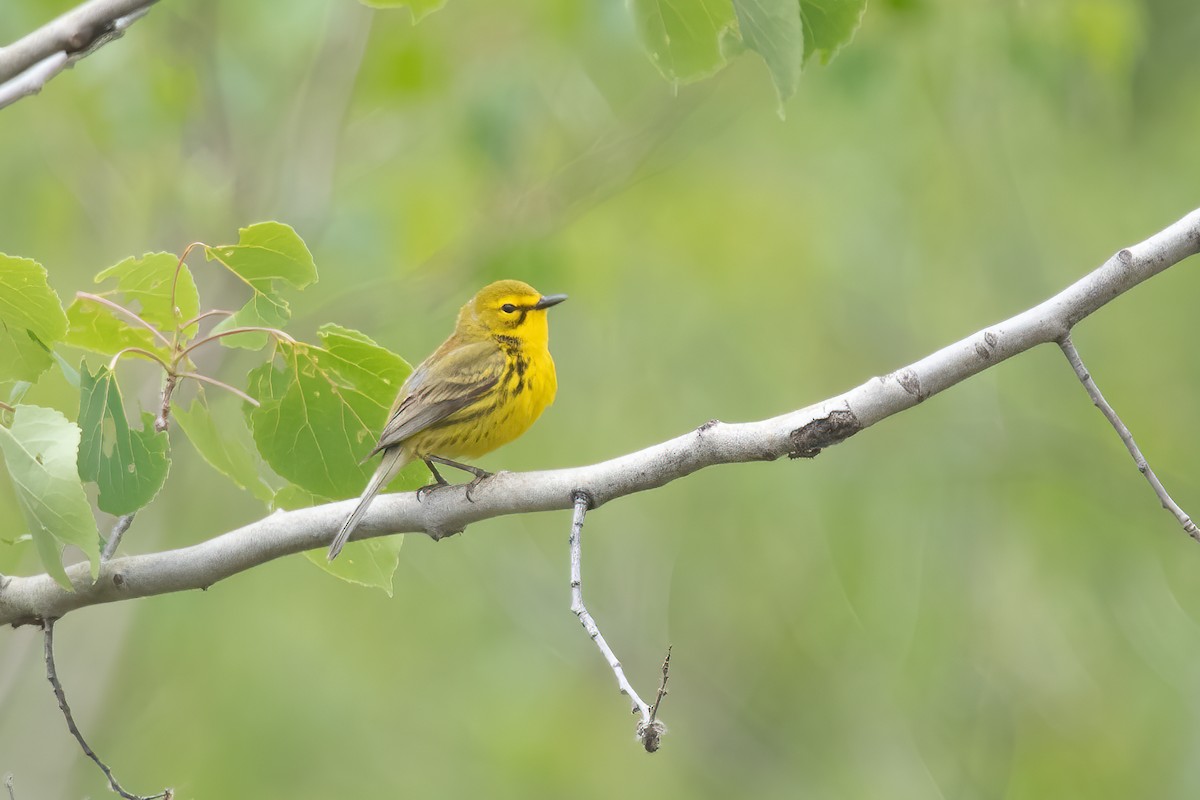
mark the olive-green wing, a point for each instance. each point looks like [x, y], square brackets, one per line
[440, 386]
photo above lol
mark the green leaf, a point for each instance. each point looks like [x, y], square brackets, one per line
[684, 37]
[828, 25]
[319, 415]
[692, 39]
[291, 497]
[376, 370]
[129, 466]
[95, 327]
[31, 319]
[267, 254]
[371, 562]
[772, 29]
[225, 444]
[419, 9]
[40, 449]
[69, 373]
[145, 284]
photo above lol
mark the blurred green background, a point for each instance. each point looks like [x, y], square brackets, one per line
[979, 598]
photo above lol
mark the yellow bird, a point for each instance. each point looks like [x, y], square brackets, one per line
[482, 388]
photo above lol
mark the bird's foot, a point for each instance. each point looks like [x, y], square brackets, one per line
[438, 481]
[425, 491]
[474, 483]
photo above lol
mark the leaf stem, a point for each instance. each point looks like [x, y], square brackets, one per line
[220, 384]
[213, 313]
[174, 286]
[278, 334]
[104, 301]
[112, 364]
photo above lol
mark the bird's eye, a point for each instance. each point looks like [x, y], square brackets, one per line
[508, 308]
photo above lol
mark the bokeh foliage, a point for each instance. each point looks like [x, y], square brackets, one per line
[978, 598]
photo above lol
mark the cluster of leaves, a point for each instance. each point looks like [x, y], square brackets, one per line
[692, 39]
[307, 415]
[688, 40]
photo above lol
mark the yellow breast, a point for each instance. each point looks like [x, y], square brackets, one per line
[527, 385]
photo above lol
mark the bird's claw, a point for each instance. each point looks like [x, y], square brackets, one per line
[425, 491]
[474, 484]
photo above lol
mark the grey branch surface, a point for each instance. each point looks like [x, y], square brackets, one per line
[28, 63]
[801, 433]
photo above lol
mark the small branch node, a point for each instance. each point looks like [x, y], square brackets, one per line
[650, 733]
[837, 427]
[164, 414]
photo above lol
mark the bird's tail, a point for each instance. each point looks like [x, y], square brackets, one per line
[394, 460]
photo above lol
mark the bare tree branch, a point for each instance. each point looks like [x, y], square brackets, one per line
[1068, 348]
[52, 676]
[801, 433]
[649, 730]
[28, 63]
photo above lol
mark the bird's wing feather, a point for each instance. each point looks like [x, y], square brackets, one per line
[440, 386]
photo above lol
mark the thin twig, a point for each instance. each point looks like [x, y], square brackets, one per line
[104, 301]
[651, 734]
[662, 687]
[649, 730]
[114, 539]
[52, 676]
[6, 407]
[1110, 414]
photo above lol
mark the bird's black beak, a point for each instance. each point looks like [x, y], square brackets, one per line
[549, 300]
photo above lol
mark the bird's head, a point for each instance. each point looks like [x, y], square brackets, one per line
[509, 308]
